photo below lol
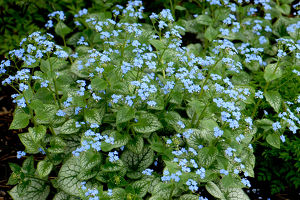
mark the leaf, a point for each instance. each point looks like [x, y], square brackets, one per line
[147, 123]
[141, 187]
[67, 176]
[274, 140]
[62, 29]
[28, 166]
[181, 8]
[199, 137]
[13, 179]
[266, 124]
[208, 124]
[159, 45]
[207, 156]
[138, 162]
[119, 140]
[210, 33]
[35, 190]
[118, 194]
[274, 99]
[189, 197]
[176, 95]
[284, 9]
[236, 194]
[204, 19]
[98, 84]
[197, 106]
[14, 167]
[112, 166]
[29, 143]
[45, 114]
[44, 168]
[136, 144]
[230, 181]
[89, 159]
[172, 118]
[214, 190]
[124, 114]
[21, 120]
[37, 133]
[270, 74]
[57, 145]
[162, 191]
[63, 196]
[94, 115]
[68, 127]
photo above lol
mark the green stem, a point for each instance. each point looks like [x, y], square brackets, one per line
[198, 122]
[55, 86]
[173, 187]
[207, 77]
[265, 90]
[172, 8]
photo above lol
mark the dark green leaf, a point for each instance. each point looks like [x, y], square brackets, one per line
[29, 143]
[270, 74]
[37, 133]
[35, 190]
[119, 140]
[158, 44]
[63, 196]
[138, 162]
[189, 197]
[236, 194]
[135, 144]
[125, 114]
[210, 33]
[274, 140]
[207, 156]
[274, 99]
[214, 190]
[147, 123]
[68, 127]
[44, 168]
[67, 176]
[21, 120]
[204, 19]
[94, 115]
[62, 29]
[98, 84]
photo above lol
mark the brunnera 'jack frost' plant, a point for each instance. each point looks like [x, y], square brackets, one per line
[126, 112]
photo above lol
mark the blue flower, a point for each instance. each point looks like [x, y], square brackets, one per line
[281, 53]
[218, 132]
[201, 172]
[192, 185]
[181, 124]
[246, 182]
[203, 198]
[20, 154]
[21, 102]
[282, 137]
[262, 39]
[259, 94]
[276, 126]
[60, 113]
[109, 192]
[223, 171]
[229, 151]
[147, 172]
[113, 156]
